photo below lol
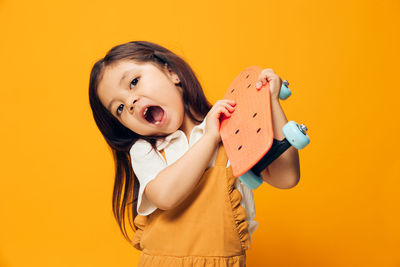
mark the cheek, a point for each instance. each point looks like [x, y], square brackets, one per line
[181, 106]
[128, 122]
[179, 111]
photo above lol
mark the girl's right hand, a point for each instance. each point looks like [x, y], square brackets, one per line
[220, 108]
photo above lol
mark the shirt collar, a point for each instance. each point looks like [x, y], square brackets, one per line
[161, 144]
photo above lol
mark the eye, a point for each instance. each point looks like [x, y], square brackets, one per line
[119, 109]
[134, 81]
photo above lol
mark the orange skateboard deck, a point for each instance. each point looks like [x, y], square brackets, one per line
[247, 134]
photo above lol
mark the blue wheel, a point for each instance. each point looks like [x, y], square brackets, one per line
[296, 134]
[251, 180]
[285, 91]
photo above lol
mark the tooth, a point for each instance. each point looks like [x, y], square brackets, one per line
[157, 122]
[145, 111]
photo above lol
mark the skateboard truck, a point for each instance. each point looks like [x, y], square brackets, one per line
[277, 148]
[295, 135]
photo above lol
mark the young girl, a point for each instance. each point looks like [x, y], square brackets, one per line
[188, 208]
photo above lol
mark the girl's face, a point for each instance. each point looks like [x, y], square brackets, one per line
[142, 97]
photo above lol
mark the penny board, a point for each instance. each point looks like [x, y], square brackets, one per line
[247, 134]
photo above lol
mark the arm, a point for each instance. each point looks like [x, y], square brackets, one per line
[174, 183]
[284, 172]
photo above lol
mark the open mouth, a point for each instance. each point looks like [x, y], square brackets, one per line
[153, 114]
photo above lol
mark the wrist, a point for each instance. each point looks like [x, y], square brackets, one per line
[214, 139]
[275, 101]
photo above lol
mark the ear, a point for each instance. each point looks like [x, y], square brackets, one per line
[171, 74]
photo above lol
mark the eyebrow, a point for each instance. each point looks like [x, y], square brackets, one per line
[124, 76]
[109, 106]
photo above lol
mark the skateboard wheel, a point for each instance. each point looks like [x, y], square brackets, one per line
[285, 91]
[296, 134]
[251, 180]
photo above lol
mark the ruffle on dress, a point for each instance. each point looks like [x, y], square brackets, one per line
[239, 212]
[146, 260]
[140, 223]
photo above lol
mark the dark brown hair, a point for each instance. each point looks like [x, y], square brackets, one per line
[118, 137]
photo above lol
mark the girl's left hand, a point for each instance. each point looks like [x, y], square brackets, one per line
[275, 82]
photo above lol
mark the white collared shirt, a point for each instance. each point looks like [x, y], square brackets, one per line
[147, 163]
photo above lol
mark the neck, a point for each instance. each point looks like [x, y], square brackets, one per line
[187, 126]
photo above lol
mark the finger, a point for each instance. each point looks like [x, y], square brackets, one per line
[226, 112]
[223, 111]
[262, 78]
[229, 107]
[264, 73]
[267, 71]
[261, 82]
[274, 77]
[271, 77]
[258, 84]
[227, 101]
[217, 108]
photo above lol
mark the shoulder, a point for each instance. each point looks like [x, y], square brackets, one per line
[146, 161]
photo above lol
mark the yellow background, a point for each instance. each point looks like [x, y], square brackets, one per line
[341, 59]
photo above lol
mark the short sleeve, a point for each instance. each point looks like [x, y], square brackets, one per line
[146, 164]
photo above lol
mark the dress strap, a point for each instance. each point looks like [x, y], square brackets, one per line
[221, 158]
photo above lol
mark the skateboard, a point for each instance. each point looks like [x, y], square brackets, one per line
[247, 134]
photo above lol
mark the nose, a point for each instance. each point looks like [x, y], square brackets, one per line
[132, 104]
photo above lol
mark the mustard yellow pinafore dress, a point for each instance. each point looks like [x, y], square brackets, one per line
[207, 229]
